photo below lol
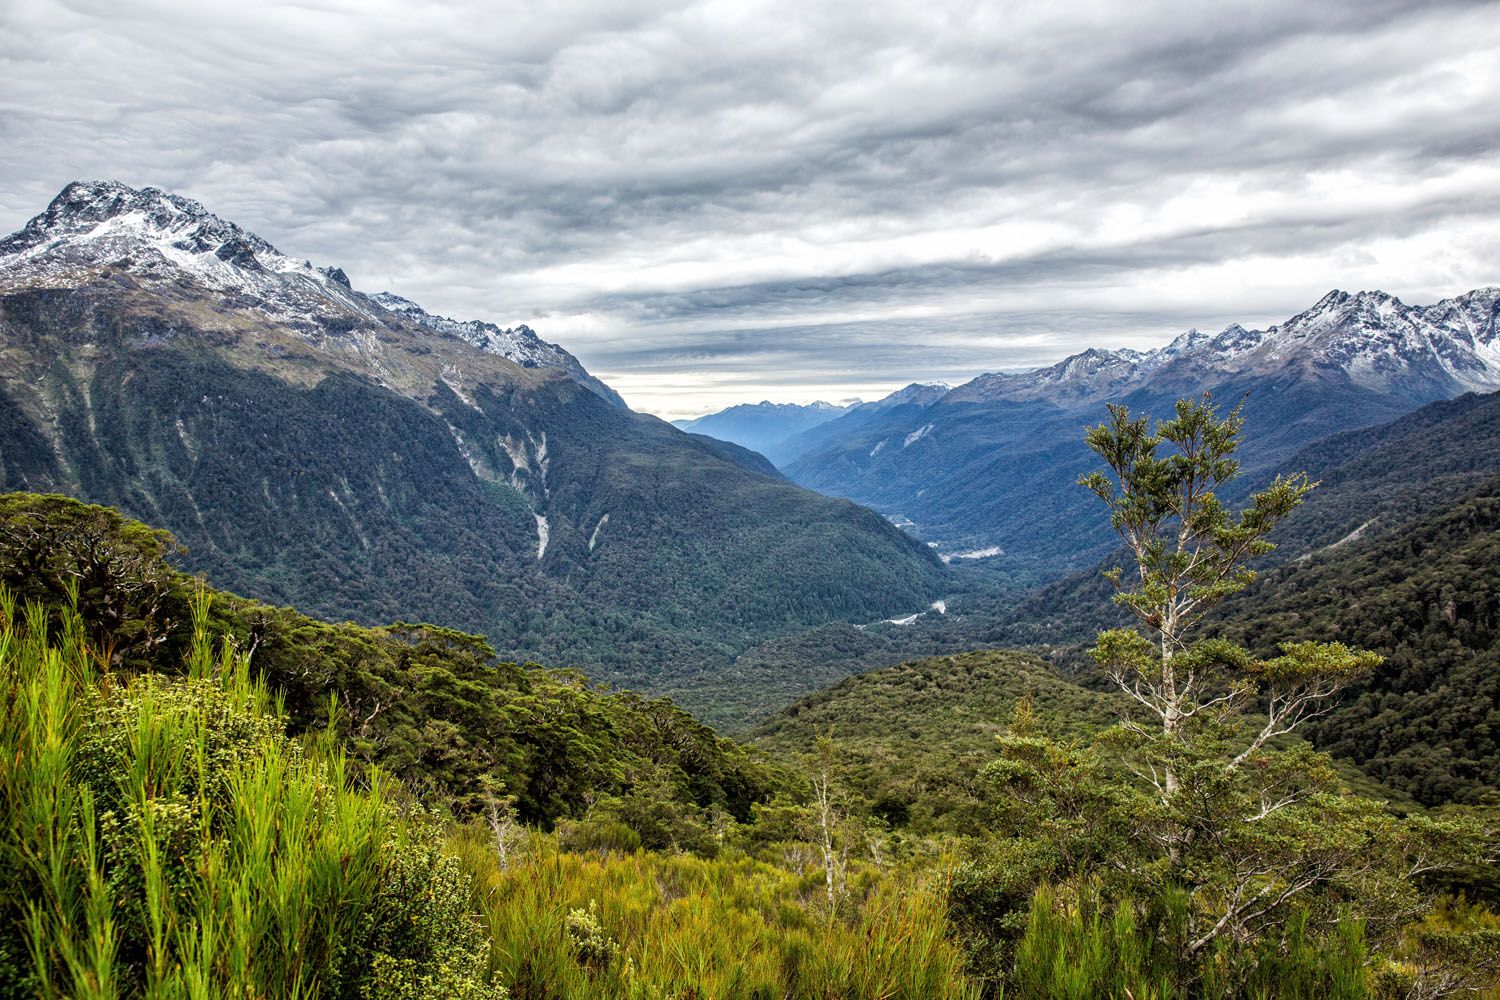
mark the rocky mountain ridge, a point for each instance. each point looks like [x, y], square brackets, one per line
[1374, 339]
[164, 239]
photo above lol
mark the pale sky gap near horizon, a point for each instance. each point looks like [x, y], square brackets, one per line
[715, 203]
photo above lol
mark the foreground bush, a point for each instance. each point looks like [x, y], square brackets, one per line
[162, 837]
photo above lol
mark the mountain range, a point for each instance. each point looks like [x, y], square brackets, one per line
[363, 458]
[358, 456]
[986, 469]
[763, 426]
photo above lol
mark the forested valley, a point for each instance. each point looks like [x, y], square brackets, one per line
[1253, 785]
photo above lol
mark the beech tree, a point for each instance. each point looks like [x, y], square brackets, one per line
[1191, 552]
[113, 571]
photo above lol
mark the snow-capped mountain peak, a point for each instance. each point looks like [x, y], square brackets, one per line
[161, 238]
[1378, 341]
[149, 232]
[1371, 338]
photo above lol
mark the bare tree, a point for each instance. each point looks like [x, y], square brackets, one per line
[501, 813]
[829, 818]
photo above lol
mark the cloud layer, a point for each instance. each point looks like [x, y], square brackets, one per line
[719, 202]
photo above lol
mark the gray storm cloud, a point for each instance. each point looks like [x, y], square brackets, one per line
[710, 203]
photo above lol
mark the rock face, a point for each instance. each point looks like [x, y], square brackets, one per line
[991, 464]
[360, 458]
[519, 344]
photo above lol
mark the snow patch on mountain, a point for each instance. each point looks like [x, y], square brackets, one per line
[594, 538]
[917, 435]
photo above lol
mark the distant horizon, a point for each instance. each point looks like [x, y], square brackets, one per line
[955, 382]
[826, 393]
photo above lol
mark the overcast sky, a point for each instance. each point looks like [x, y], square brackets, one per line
[723, 202]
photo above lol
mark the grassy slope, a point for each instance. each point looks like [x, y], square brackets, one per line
[162, 837]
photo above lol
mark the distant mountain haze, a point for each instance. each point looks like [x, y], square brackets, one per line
[764, 426]
[782, 431]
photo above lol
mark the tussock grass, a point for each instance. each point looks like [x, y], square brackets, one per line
[685, 926]
[164, 838]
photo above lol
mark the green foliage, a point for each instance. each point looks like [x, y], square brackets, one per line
[595, 947]
[114, 570]
[1082, 946]
[428, 705]
[162, 837]
[422, 931]
[1249, 862]
[1190, 552]
[913, 738]
[731, 927]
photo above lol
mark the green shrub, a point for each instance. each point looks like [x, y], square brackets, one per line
[598, 835]
[595, 947]
[163, 837]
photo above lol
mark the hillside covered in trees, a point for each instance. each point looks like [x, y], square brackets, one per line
[1426, 595]
[212, 794]
[355, 456]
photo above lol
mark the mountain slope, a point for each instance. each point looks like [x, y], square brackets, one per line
[310, 445]
[762, 426]
[990, 465]
[1371, 481]
[909, 399]
[1427, 597]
